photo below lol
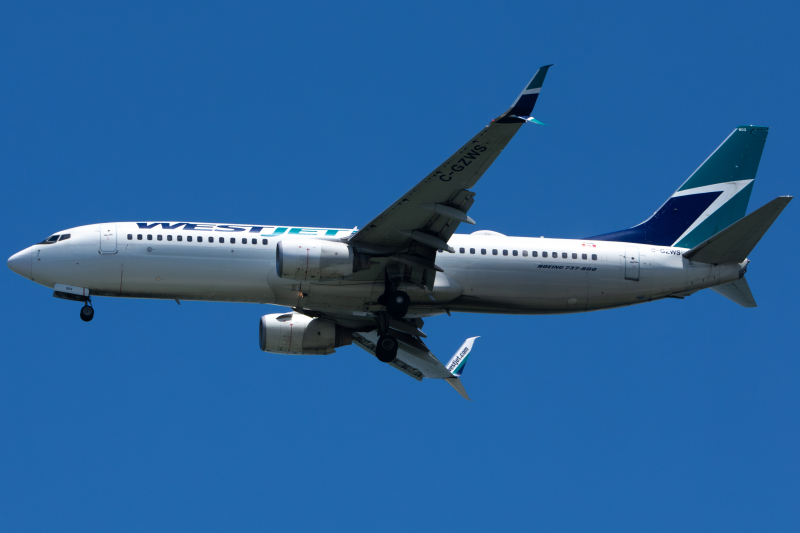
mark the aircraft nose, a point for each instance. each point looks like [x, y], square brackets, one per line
[20, 263]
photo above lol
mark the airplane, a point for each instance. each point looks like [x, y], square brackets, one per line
[372, 287]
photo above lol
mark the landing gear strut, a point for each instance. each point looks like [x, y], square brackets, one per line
[386, 348]
[87, 312]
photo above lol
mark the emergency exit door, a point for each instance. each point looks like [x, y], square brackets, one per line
[632, 264]
[108, 238]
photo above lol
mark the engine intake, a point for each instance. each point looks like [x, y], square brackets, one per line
[315, 260]
[298, 334]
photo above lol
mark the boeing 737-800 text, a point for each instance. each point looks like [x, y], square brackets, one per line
[372, 287]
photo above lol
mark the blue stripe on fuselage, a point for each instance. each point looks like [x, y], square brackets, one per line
[669, 223]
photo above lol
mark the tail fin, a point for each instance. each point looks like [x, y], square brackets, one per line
[734, 243]
[456, 366]
[737, 291]
[714, 197]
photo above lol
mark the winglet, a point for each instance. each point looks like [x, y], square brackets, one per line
[456, 366]
[459, 360]
[523, 105]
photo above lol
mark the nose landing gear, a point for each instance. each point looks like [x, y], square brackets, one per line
[87, 312]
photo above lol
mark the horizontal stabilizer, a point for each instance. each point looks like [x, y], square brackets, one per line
[737, 291]
[734, 243]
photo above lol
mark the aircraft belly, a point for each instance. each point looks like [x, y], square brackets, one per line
[525, 287]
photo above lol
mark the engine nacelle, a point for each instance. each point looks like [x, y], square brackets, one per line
[298, 334]
[315, 260]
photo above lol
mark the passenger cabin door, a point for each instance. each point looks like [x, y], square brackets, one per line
[108, 238]
[632, 265]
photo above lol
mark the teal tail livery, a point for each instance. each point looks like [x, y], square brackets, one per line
[456, 366]
[714, 197]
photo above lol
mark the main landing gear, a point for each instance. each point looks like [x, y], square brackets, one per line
[396, 301]
[87, 311]
[386, 350]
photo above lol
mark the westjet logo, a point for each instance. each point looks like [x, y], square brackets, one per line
[457, 359]
[264, 231]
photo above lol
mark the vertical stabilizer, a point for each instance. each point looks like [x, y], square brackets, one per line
[714, 197]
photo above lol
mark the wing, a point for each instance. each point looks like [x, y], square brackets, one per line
[425, 218]
[415, 360]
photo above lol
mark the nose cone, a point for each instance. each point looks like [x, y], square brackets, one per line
[20, 263]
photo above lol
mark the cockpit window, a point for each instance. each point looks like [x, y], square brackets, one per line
[64, 237]
[50, 240]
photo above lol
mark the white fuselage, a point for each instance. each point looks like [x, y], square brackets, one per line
[489, 273]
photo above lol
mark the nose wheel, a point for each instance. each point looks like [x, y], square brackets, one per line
[87, 312]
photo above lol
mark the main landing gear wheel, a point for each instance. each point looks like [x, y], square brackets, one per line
[87, 313]
[386, 350]
[397, 304]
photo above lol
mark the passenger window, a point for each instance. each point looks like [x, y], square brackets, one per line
[594, 257]
[200, 238]
[461, 250]
[222, 240]
[505, 252]
[563, 255]
[180, 238]
[64, 237]
[472, 250]
[149, 237]
[169, 237]
[210, 239]
[254, 241]
[130, 236]
[158, 237]
[536, 254]
[555, 255]
[483, 251]
[188, 238]
[583, 256]
[139, 237]
[524, 253]
[244, 240]
[494, 252]
[574, 256]
[544, 254]
[514, 253]
[264, 241]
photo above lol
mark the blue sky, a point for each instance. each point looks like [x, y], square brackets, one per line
[666, 416]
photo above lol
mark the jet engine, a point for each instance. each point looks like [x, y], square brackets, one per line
[298, 334]
[316, 260]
